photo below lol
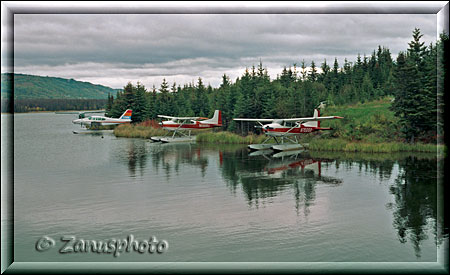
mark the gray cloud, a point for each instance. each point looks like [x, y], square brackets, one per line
[112, 49]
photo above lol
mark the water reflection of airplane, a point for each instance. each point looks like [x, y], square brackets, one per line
[265, 176]
[290, 164]
[178, 125]
[285, 129]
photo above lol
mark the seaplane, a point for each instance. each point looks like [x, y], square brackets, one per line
[287, 129]
[179, 125]
[95, 121]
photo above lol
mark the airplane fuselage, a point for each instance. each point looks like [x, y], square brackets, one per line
[100, 121]
[175, 126]
[275, 130]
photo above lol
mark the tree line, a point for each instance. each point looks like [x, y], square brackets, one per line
[47, 104]
[412, 79]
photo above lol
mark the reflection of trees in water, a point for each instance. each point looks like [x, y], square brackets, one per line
[382, 168]
[414, 190]
[136, 156]
[170, 156]
[415, 194]
[261, 179]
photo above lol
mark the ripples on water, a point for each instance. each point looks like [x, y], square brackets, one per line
[218, 203]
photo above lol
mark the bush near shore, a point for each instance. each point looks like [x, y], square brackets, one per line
[144, 129]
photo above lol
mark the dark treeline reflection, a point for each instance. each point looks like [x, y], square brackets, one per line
[414, 187]
[134, 154]
[261, 178]
[169, 157]
[415, 207]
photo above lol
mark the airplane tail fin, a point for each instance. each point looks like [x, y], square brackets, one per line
[126, 114]
[313, 123]
[216, 119]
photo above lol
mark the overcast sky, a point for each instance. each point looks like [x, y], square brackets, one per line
[113, 49]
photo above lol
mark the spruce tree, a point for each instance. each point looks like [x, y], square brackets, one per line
[313, 74]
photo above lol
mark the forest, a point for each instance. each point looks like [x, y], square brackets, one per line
[42, 93]
[47, 104]
[415, 81]
[38, 87]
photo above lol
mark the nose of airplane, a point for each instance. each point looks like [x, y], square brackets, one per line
[76, 121]
[160, 124]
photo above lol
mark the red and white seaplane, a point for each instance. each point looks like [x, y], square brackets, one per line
[181, 124]
[286, 128]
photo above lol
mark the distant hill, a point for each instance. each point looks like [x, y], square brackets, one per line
[44, 87]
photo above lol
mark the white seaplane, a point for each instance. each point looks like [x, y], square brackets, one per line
[285, 129]
[96, 121]
[179, 125]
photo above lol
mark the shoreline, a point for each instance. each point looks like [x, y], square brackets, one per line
[316, 145]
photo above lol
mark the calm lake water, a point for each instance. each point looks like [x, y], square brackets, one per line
[217, 203]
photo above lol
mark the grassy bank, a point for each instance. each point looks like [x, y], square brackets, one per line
[339, 144]
[316, 143]
[229, 138]
[322, 144]
[141, 130]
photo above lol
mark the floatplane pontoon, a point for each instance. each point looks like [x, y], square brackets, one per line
[179, 125]
[285, 131]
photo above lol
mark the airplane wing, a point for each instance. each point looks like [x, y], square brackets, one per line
[79, 112]
[99, 111]
[305, 119]
[180, 118]
[255, 119]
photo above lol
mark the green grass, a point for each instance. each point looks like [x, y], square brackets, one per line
[228, 138]
[358, 156]
[321, 144]
[137, 131]
[339, 144]
[146, 129]
[372, 122]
